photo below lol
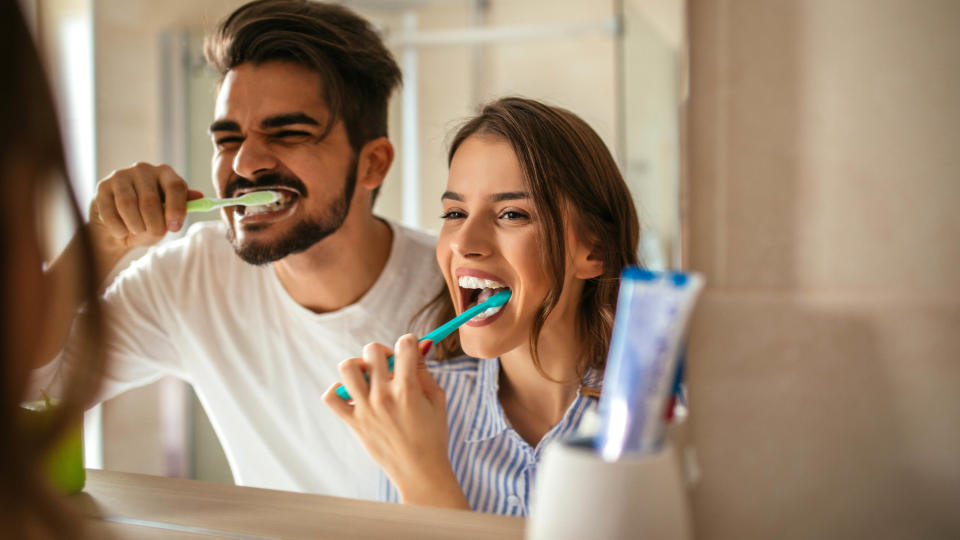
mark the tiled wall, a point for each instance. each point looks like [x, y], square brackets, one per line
[824, 186]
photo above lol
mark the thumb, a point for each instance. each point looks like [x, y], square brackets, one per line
[428, 384]
[194, 194]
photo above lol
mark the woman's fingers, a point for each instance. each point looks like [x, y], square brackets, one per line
[351, 372]
[375, 357]
[406, 359]
[340, 406]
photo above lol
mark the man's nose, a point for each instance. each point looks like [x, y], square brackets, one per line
[253, 158]
[473, 240]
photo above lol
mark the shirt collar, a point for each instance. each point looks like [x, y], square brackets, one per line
[489, 420]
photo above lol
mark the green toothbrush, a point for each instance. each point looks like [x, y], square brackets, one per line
[254, 198]
[447, 328]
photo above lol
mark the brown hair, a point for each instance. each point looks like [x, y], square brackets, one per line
[571, 176]
[357, 70]
[31, 161]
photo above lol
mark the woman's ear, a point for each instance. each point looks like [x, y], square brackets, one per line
[589, 261]
[374, 161]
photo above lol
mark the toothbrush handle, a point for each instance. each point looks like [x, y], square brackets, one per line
[202, 205]
[443, 331]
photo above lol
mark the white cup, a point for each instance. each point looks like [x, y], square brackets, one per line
[578, 495]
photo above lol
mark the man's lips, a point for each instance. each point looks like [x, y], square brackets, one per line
[281, 209]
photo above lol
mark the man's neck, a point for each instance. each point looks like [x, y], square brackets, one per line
[337, 271]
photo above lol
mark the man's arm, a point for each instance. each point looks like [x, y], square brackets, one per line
[133, 207]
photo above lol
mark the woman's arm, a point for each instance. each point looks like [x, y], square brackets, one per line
[401, 421]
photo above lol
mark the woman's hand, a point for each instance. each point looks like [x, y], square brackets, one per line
[401, 421]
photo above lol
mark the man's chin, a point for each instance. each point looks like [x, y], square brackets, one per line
[256, 245]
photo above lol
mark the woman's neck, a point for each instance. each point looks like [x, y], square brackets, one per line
[535, 404]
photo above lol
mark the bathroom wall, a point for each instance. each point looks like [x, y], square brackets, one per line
[823, 189]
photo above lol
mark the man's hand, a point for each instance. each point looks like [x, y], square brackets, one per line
[136, 207]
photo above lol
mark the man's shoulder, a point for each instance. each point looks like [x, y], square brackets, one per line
[202, 240]
[203, 245]
[414, 238]
[412, 259]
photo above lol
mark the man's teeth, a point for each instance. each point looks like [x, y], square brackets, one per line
[279, 204]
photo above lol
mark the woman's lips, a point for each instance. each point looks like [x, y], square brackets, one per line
[476, 286]
[489, 320]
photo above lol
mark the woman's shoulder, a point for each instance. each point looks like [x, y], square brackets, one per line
[464, 364]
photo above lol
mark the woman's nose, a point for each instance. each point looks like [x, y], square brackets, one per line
[473, 240]
[252, 159]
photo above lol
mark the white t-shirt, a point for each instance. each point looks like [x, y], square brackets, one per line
[258, 360]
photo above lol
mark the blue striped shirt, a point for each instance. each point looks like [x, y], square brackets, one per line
[496, 468]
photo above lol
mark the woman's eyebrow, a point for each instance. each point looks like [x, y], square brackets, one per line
[496, 197]
[509, 196]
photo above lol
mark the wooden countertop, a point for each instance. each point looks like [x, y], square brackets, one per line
[128, 505]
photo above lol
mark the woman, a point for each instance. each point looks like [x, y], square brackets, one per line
[534, 204]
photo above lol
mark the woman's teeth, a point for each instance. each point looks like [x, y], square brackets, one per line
[487, 288]
[489, 312]
[470, 282]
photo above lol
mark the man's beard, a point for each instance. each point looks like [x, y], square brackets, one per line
[303, 235]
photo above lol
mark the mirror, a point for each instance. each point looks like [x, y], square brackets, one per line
[619, 65]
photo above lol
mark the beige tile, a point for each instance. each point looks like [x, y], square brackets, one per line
[823, 145]
[825, 418]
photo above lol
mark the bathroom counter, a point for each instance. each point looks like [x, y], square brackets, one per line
[139, 506]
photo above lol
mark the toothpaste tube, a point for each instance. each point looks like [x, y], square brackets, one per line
[652, 313]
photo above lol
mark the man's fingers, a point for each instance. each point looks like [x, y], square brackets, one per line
[351, 372]
[125, 198]
[106, 209]
[175, 194]
[149, 201]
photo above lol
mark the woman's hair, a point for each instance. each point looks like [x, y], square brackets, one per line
[357, 70]
[572, 178]
[31, 166]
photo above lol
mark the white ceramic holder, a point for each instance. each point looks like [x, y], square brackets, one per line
[578, 495]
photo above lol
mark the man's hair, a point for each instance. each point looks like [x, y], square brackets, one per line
[357, 71]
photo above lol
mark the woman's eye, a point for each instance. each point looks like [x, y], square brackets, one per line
[514, 215]
[452, 214]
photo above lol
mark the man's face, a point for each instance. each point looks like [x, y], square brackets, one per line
[268, 134]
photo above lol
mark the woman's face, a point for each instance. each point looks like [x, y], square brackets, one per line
[490, 241]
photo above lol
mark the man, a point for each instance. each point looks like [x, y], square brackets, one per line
[301, 110]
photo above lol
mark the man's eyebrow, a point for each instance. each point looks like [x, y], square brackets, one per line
[287, 119]
[452, 195]
[224, 125]
[509, 196]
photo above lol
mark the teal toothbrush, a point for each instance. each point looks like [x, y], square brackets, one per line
[447, 328]
[254, 198]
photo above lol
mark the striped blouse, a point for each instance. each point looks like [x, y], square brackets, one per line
[496, 468]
